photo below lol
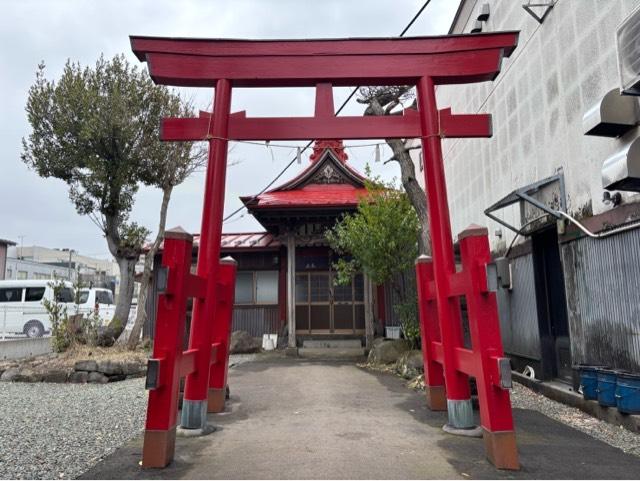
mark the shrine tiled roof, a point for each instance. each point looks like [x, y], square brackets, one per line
[327, 182]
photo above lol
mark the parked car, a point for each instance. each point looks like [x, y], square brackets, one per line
[99, 300]
[22, 308]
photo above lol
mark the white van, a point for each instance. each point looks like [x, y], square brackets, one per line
[99, 300]
[21, 306]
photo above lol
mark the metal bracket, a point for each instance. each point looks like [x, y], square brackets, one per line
[162, 279]
[504, 368]
[525, 194]
[546, 5]
[153, 375]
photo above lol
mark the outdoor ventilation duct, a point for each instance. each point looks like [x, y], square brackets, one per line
[483, 15]
[622, 170]
[628, 45]
[612, 116]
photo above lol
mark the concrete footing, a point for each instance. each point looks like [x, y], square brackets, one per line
[216, 400]
[159, 447]
[194, 414]
[436, 398]
[460, 413]
[501, 449]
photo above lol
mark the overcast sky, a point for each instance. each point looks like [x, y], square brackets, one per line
[55, 30]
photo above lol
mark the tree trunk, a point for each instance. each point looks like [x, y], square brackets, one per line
[126, 260]
[127, 268]
[141, 315]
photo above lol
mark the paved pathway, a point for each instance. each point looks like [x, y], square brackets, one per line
[300, 419]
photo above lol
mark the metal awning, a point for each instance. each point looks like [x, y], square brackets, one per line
[526, 195]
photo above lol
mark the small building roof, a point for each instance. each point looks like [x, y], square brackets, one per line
[7, 242]
[239, 241]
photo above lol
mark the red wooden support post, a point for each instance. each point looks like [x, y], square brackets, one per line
[194, 406]
[162, 409]
[430, 334]
[494, 375]
[222, 336]
[459, 405]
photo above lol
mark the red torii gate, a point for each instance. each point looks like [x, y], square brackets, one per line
[421, 61]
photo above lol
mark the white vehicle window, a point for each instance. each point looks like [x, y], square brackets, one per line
[33, 294]
[65, 295]
[11, 294]
[84, 297]
[104, 297]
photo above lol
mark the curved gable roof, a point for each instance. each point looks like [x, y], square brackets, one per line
[328, 182]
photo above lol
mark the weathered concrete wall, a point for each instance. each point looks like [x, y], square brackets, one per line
[20, 348]
[559, 70]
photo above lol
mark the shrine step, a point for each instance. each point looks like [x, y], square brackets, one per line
[332, 354]
[332, 343]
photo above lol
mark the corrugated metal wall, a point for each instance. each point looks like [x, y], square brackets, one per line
[602, 279]
[518, 312]
[257, 320]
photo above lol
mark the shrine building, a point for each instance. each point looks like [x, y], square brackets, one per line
[285, 275]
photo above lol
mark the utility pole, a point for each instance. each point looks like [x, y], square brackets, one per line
[69, 268]
[21, 237]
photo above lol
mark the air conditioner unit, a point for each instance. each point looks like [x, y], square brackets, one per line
[628, 45]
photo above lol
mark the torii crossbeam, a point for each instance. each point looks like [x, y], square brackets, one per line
[421, 61]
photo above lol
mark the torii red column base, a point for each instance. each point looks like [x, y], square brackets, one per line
[436, 398]
[221, 336]
[501, 449]
[158, 448]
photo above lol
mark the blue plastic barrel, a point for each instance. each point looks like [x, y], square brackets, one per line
[628, 393]
[607, 380]
[589, 381]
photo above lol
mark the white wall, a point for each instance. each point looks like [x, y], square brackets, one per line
[558, 71]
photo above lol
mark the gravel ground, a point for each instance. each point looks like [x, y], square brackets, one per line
[53, 431]
[617, 436]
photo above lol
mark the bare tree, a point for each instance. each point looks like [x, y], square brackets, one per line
[385, 101]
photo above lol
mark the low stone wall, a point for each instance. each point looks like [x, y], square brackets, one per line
[87, 371]
[21, 348]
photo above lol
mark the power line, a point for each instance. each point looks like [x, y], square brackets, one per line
[353, 92]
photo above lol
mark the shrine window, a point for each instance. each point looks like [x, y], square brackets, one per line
[256, 287]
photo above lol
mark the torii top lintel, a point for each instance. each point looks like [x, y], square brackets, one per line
[447, 59]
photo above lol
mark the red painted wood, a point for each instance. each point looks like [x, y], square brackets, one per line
[162, 409]
[441, 242]
[429, 328]
[484, 325]
[295, 128]
[221, 332]
[142, 45]
[204, 310]
[324, 127]
[340, 70]
[461, 126]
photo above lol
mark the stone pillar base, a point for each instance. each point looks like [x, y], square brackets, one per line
[215, 401]
[460, 413]
[501, 449]
[291, 352]
[158, 448]
[436, 398]
[194, 414]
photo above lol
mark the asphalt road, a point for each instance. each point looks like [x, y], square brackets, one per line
[294, 419]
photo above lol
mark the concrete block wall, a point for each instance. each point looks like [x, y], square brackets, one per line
[559, 70]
